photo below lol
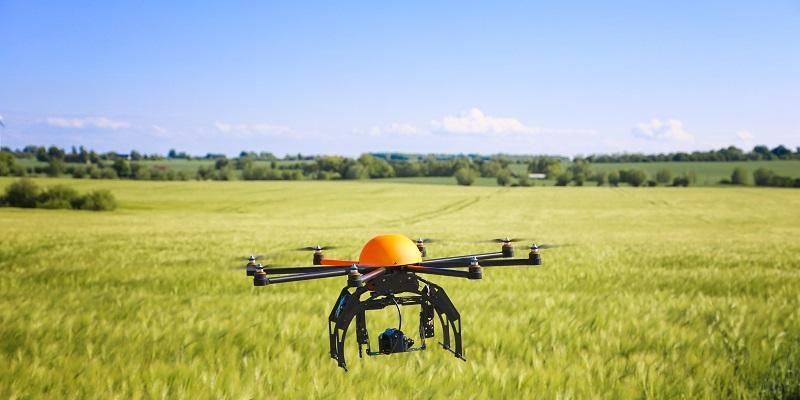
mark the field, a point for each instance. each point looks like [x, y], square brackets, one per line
[662, 293]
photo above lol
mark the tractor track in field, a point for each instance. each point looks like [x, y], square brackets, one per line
[448, 209]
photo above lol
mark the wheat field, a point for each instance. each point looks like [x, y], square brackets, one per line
[660, 293]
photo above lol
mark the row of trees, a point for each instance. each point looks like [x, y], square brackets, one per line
[27, 194]
[730, 153]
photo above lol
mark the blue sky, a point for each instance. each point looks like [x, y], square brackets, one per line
[332, 77]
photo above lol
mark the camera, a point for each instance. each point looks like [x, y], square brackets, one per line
[394, 341]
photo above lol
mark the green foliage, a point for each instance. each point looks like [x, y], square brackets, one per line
[664, 176]
[465, 176]
[7, 163]
[97, 200]
[613, 178]
[22, 193]
[563, 180]
[122, 167]
[600, 177]
[356, 171]
[504, 177]
[765, 177]
[25, 193]
[740, 176]
[57, 196]
[56, 167]
[524, 181]
[633, 177]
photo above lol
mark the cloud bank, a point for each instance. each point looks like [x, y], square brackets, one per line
[88, 122]
[663, 131]
[475, 122]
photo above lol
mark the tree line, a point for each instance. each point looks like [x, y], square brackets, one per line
[83, 163]
[731, 153]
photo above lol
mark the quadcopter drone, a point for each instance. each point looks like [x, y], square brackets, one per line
[388, 266]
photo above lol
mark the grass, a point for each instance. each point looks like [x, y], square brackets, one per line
[664, 293]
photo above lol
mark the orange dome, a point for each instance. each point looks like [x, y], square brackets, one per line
[389, 250]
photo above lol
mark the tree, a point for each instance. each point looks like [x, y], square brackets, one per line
[613, 178]
[664, 176]
[633, 177]
[55, 167]
[763, 176]
[356, 171]
[7, 163]
[122, 167]
[465, 176]
[503, 177]
[600, 178]
[740, 176]
[22, 193]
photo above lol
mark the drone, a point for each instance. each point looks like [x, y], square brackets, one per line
[389, 271]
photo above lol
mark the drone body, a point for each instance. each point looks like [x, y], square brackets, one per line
[387, 272]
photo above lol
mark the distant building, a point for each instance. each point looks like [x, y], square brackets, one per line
[537, 175]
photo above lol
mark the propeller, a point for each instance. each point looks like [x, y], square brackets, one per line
[504, 240]
[425, 240]
[315, 248]
[548, 246]
[251, 257]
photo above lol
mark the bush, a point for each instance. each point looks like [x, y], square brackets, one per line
[562, 180]
[680, 181]
[613, 178]
[98, 200]
[740, 176]
[503, 177]
[465, 176]
[7, 163]
[356, 171]
[664, 176]
[26, 194]
[633, 177]
[763, 176]
[22, 193]
[524, 181]
[108, 173]
[600, 177]
[58, 196]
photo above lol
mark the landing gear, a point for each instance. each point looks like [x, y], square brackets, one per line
[383, 292]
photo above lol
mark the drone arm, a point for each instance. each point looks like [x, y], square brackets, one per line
[511, 262]
[438, 271]
[361, 280]
[467, 258]
[459, 263]
[308, 276]
[302, 270]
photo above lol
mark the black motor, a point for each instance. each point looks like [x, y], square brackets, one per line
[394, 341]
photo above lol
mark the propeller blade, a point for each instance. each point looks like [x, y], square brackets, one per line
[503, 240]
[426, 240]
[315, 248]
[550, 246]
[247, 258]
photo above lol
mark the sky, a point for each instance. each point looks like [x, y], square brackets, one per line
[527, 77]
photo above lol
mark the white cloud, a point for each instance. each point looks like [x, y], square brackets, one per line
[252, 130]
[395, 128]
[665, 131]
[474, 121]
[744, 135]
[88, 122]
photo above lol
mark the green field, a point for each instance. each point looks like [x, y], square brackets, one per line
[663, 293]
